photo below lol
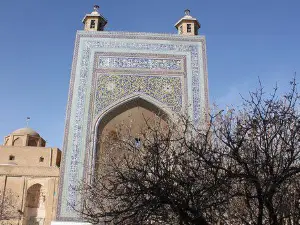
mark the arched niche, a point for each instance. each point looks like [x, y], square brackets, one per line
[18, 142]
[133, 112]
[32, 142]
[35, 211]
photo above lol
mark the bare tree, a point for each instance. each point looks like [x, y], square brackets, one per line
[261, 146]
[160, 181]
[241, 167]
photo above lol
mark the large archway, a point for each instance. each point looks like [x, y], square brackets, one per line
[133, 115]
[35, 212]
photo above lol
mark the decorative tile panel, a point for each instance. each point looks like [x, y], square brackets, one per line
[165, 89]
[139, 63]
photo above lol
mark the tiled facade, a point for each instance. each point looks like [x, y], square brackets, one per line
[112, 68]
[110, 88]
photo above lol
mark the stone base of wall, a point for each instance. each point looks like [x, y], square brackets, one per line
[68, 223]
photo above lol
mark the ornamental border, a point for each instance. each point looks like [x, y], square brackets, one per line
[182, 58]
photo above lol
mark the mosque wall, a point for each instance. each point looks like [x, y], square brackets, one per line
[112, 69]
[33, 156]
[16, 189]
[16, 186]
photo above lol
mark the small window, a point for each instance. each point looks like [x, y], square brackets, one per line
[11, 157]
[137, 142]
[189, 28]
[93, 24]
[41, 159]
[180, 30]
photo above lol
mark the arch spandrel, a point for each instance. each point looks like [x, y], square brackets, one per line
[133, 99]
[166, 90]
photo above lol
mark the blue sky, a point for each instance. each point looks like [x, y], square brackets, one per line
[245, 40]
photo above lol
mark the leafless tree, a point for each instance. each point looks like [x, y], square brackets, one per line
[241, 167]
[261, 146]
[160, 181]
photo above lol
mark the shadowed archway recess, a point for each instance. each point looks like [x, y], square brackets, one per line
[134, 113]
[35, 212]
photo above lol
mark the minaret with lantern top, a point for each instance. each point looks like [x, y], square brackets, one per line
[188, 25]
[94, 21]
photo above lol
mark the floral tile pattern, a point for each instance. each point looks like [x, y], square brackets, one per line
[165, 89]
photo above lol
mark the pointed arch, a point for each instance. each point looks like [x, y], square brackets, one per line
[130, 99]
[35, 211]
[17, 142]
[123, 105]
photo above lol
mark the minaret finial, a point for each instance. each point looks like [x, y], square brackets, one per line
[187, 12]
[27, 121]
[96, 8]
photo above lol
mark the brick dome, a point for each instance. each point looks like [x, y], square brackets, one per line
[26, 131]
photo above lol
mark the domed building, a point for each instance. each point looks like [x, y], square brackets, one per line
[24, 137]
[29, 175]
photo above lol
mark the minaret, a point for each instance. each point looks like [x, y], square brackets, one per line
[94, 21]
[188, 25]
